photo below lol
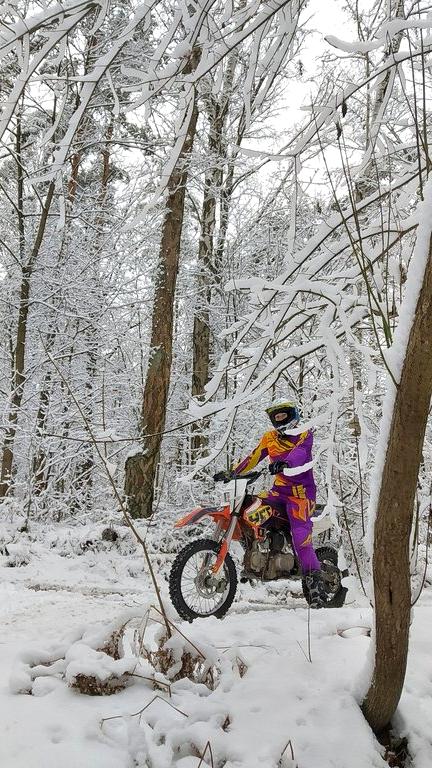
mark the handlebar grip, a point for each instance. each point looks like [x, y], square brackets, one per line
[222, 477]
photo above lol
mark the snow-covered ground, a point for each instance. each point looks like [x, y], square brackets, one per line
[283, 695]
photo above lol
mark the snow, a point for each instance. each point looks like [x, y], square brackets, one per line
[388, 30]
[358, 46]
[269, 689]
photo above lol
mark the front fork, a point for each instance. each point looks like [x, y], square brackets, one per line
[225, 545]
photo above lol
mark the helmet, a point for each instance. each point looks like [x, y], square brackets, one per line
[284, 415]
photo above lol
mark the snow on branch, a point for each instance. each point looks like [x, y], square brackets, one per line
[92, 80]
[307, 264]
[29, 25]
[325, 114]
[388, 31]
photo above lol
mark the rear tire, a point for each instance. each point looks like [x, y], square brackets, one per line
[327, 554]
[175, 580]
[328, 558]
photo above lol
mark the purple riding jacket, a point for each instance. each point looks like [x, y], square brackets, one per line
[296, 451]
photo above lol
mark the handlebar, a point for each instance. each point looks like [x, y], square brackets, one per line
[225, 477]
[251, 476]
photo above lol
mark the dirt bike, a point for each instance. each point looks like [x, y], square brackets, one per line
[203, 578]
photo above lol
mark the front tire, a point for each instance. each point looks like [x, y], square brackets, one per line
[198, 597]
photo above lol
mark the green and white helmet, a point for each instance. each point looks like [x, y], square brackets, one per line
[284, 415]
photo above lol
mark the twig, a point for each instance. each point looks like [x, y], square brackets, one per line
[200, 653]
[136, 439]
[142, 630]
[207, 747]
[140, 711]
[152, 680]
[302, 650]
[288, 744]
[348, 530]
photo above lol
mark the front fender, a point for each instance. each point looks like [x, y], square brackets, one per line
[197, 514]
[221, 516]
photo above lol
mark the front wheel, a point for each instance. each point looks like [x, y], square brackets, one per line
[332, 578]
[195, 590]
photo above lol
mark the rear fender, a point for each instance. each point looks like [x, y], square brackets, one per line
[321, 521]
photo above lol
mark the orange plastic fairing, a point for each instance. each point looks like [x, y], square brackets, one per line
[222, 517]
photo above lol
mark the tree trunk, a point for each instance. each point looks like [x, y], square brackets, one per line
[18, 372]
[85, 466]
[40, 466]
[201, 328]
[391, 561]
[201, 339]
[141, 468]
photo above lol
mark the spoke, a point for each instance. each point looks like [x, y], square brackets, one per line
[202, 599]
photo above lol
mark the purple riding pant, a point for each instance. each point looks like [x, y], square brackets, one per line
[299, 513]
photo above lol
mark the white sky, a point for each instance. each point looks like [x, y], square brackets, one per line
[324, 17]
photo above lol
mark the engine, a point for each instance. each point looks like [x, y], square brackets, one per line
[269, 559]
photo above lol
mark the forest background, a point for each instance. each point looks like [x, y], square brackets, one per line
[205, 206]
[85, 167]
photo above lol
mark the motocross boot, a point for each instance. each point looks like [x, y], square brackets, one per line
[315, 584]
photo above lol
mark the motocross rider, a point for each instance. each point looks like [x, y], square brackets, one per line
[290, 452]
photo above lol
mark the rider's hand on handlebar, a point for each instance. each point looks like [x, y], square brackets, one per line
[277, 466]
[222, 477]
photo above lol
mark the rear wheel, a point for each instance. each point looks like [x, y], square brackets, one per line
[327, 555]
[335, 593]
[195, 590]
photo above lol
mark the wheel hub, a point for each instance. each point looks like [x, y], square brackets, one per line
[209, 584]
